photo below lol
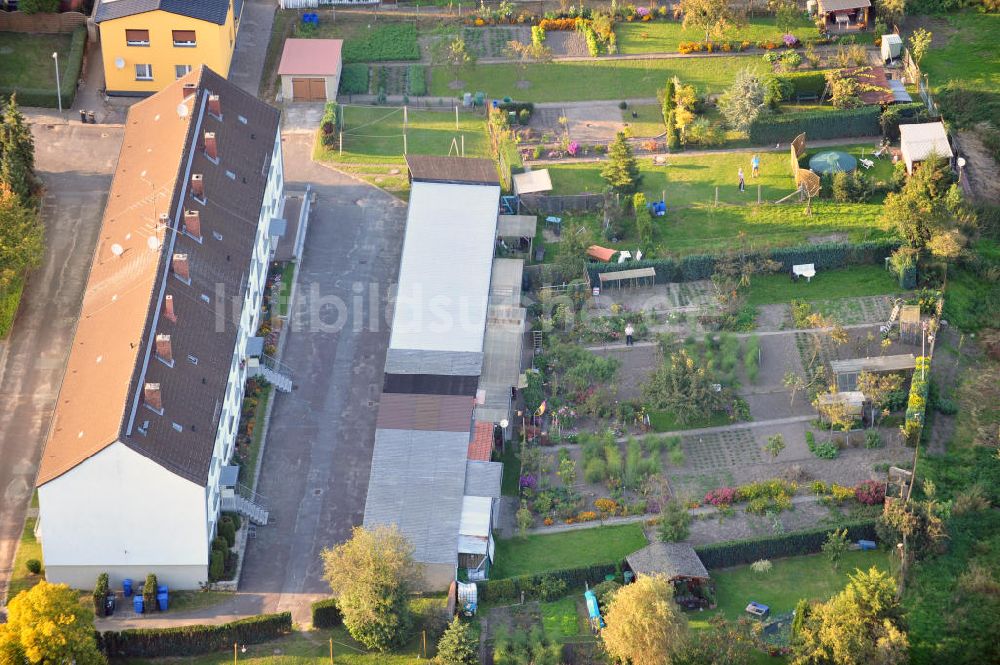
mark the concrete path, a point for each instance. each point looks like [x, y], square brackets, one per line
[316, 464]
[75, 163]
[251, 44]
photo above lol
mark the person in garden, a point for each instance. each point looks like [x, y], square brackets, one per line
[755, 166]
[629, 332]
[743, 183]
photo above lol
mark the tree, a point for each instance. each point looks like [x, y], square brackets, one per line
[669, 103]
[17, 152]
[453, 54]
[370, 575]
[877, 388]
[920, 43]
[457, 646]
[859, 626]
[47, 624]
[675, 522]
[524, 519]
[673, 137]
[836, 546]
[786, 14]
[920, 210]
[526, 55]
[835, 411]
[775, 444]
[715, 17]
[39, 6]
[622, 170]
[745, 100]
[723, 643]
[891, 10]
[22, 238]
[845, 92]
[920, 524]
[571, 260]
[683, 387]
[644, 625]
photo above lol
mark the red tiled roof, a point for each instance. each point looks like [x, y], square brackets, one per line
[311, 57]
[481, 446]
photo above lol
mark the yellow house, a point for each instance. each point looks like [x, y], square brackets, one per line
[148, 44]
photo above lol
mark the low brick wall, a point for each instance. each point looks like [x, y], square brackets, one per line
[48, 24]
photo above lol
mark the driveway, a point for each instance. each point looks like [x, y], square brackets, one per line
[75, 163]
[319, 444]
[251, 44]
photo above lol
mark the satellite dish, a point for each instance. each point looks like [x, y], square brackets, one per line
[961, 162]
[153, 243]
[120, 63]
[182, 110]
[117, 249]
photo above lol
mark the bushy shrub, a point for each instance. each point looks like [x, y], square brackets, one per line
[149, 593]
[216, 565]
[509, 589]
[34, 566]
[354, 79]
[416, 80]
[800, 84]
[184, 641]
[704, 133]
[226, 530]
[100, 592]
[782, 128]
[325, 614]
[873, 439]
[870, 493]
[901, 114]
[722, 496]
[605, 591]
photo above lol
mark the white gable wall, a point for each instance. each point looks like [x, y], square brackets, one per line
[121, 513]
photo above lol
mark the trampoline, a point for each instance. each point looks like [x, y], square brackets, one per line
[832, 161]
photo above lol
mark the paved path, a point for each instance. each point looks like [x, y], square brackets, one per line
[75, 163]
[317, 460]
[251, 44]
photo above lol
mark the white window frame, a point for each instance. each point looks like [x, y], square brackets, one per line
[184, 44]
[149, 72]
[137, 43]
[178, 73]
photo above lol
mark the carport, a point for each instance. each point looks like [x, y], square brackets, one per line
[310, 69]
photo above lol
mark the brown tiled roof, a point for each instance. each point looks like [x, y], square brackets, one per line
[311, 57]
[481, 446]
[436, 413]
[462, 170]
[112, 357]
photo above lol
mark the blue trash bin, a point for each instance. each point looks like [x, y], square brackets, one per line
[162, 601]
[127, 587]
[162, 588]
[137, 604]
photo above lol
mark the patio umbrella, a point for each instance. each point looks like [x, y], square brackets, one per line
[831, 162]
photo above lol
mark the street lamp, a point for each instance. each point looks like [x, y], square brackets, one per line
[55, 59]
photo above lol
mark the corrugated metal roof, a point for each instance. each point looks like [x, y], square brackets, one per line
[879, 364]
[446, 363]
[532, 182]
[517, 226]
[418, 482]
[459, 170]
[474, 529]
[918, 141]
[483, 478]
[437, 413]
[430, 384]
[444, 273]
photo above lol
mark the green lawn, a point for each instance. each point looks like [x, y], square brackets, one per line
[27, 59]
[568, 549]
[561, 620]
[591, 80]
[665, 36]
[648, 124]
[511, 470]
[971, 60]
[666, 421]
[28, 548]
[9, 302]
[810, 577]
[826, 285]
[285, 291]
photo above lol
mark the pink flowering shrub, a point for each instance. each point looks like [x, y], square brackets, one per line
[870, 493]
[723, 496]
[573, 148]
[642, 11]
[790, 40]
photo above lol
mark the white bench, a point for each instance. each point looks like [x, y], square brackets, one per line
[807, 270]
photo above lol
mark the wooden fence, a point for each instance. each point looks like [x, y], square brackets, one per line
[48, 24]
[547, 204]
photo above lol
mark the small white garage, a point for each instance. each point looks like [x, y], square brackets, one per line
[310, 69]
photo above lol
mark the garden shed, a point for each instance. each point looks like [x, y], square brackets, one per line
[310, 69]
[847, 371]
[892, 47]
[918, 142]
[532, 182]
[853, 400]
[517, 232]
[475, 539]
[680, 565]
[843, 13]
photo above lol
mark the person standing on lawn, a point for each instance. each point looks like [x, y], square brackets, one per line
[755, 166]
[743, 184]
[629, 331]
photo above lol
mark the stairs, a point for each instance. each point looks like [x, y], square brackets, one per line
[280, 381]
[248, 504]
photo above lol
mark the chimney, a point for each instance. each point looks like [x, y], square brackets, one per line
[180, 264]
[197, 186]
[168, 308]
[214, 106]
[192, 223]
[211, 147]
[164, 351]
[163, 221]
[188, 90]
[151, 396]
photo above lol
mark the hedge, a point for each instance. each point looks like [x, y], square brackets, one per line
[416, 80]
[193, 640]
[101, 590]
[784, 127]
[826, 256]
[325, 614]
[510, 588]
[741, 552]
[46, 97]
[902, 114]
[354, 79]
[796, 84]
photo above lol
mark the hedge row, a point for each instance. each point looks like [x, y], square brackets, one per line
[46, 97]
[817, 125]
[801, 84]
[193, 640]
[902, 114]
[325, 614]
[354, 79]
[509, 589]
[825, 256]
[740, 552]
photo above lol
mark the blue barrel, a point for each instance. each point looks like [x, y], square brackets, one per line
[162, 601]
[127, 587]
[137, 604]
[161, 588]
